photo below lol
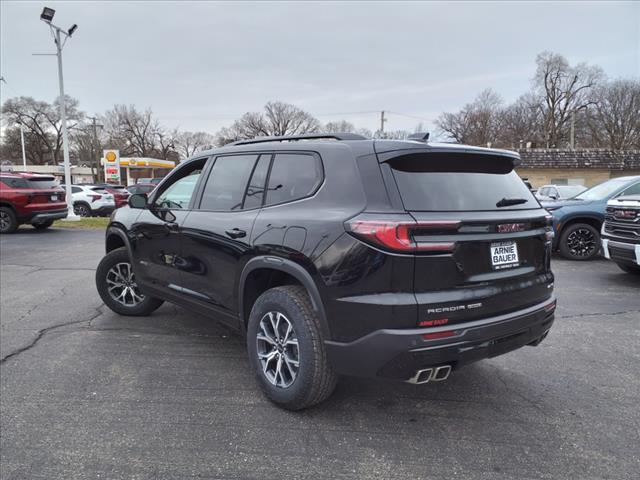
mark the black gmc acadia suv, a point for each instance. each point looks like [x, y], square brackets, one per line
[340, 255]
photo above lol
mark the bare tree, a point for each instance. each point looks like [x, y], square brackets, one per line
[341, 126]
[614, 120]
[188, 143]
[36, 151]
[522, 123]
[278, 119]
[478, 123]
[562, 89]
[138, 133]
[42, 120]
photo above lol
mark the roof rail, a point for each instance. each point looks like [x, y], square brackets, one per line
[305, 136]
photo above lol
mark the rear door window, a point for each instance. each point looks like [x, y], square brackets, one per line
[227, 183]
[255, 189]
[460, 182]
[293, 176]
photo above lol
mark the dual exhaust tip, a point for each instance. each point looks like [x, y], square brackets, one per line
[436, 374]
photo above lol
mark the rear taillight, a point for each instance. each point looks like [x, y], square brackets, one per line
[95, 197]
[549, 234]
[399, 235]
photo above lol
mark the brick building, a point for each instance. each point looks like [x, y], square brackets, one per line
[576, 167]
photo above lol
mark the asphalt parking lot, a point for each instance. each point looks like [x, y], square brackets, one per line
[87, 394]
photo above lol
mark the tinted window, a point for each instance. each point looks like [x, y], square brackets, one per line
[15, 182]
[293, 176]
[632, 190]
[227, 183]
[43, 182]
[255, 190]
[76, 189]
[459, 183]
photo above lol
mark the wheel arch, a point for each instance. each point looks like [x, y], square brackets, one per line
[116, 238]
[592, 220]
[249, 289]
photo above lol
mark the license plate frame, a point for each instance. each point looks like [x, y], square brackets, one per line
[504, 255]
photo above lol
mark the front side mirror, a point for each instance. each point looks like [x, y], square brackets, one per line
[138, 200]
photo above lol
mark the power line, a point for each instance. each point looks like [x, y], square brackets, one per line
[410, 116]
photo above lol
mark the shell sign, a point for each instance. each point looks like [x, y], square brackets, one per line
[111, 165]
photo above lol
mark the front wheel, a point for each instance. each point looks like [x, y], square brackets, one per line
[286, 349]
[579, 241]
[116, 284]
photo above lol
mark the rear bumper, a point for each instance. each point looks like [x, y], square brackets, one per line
[400, 353]
[104, 210]
[621, 251]
[47, 216]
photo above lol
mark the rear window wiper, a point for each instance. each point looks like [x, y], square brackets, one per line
[506, 202]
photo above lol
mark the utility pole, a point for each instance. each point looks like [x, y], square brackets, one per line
[382, 120]
[94, 147]
[24, 153]
[572, 138]
[47, 16]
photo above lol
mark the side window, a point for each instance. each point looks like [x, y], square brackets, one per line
[255, 190]
[632, 190]
[178, 191]
[227, 182]
[76, 190]
[293, 176]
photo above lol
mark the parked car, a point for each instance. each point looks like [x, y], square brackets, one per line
[621, 232]
[91, 201]
[577, 221]
[119, 192]
[376, 258]
[29, 198]
[143, 188]
[558, 192]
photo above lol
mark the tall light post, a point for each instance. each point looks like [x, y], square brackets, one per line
[47, 16]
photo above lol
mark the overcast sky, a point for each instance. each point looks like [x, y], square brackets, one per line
[199, 65]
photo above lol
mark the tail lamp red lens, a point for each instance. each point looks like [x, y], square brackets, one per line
[398, 235]
[439, 335]
[95, 197]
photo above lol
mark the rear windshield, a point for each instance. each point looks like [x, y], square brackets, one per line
[38, 183]
[442, 182]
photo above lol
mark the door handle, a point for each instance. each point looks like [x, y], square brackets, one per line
[236, 233]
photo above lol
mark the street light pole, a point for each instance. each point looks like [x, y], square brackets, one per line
[47, 16]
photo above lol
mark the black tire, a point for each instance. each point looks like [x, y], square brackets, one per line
[144, 307]
[43, 225]
[579, 241]
[629, 268]
[315, 379]
[82, 209]
[8, 220]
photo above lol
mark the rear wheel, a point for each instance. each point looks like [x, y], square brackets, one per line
[43, 225]
[8, 220]
[629, 268]
[116, 284]
[82, 209]
[286, 349]
[579, 241]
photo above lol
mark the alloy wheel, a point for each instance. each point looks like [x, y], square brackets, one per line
[5, 221]
[581, 242]
[81, 210]
[122, 286]
[277, 345]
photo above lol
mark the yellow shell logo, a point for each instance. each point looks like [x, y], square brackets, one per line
[111, 156]
[132, 162]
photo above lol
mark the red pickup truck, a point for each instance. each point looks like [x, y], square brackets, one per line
[29, 198]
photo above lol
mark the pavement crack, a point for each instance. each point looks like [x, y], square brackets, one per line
[41, 333]
[39, 268]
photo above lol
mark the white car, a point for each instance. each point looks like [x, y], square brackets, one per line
[91, 200]
[558, 192]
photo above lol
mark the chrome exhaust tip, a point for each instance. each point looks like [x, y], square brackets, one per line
[421, 376]
[441, 373]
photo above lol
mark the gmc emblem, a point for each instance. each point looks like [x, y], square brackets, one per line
[511, 227]
[625, 214]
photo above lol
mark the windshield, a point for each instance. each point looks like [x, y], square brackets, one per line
[602, 191]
